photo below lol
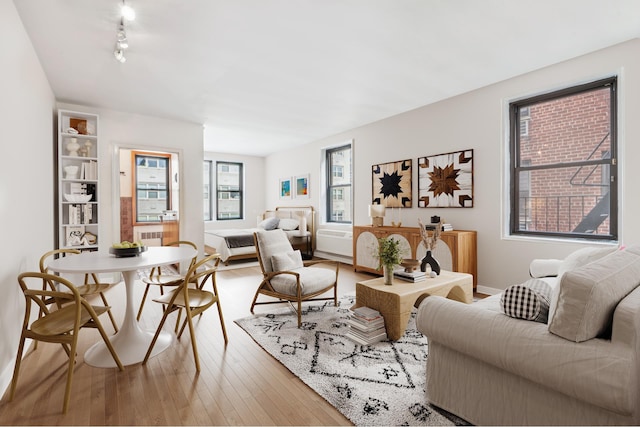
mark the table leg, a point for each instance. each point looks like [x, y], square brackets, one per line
[131, 342]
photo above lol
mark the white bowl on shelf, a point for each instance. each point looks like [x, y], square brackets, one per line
[78, 198]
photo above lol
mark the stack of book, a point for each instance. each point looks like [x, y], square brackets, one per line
[445, 227]
[366, 326]
[414, 276]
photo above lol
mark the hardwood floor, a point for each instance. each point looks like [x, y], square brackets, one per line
[239, 384]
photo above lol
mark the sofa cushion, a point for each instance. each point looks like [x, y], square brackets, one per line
[575, 260]
[588, 296]
[528, 301]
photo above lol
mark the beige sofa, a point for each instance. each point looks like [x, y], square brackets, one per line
[492, 369]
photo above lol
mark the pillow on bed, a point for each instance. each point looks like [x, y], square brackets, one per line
[288, 224]
[287, 261]
[269, 223]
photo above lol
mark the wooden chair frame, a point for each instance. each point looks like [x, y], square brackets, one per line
[60, 325]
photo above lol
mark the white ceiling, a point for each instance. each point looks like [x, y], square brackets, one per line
[266, 75]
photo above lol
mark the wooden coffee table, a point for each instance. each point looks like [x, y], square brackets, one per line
[395, 302]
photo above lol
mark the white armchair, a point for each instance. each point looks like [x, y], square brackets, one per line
[287, 278]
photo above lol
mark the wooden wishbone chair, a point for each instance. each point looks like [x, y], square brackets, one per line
[58, 323]
[194, 301]
[156, 278]
[91, 285]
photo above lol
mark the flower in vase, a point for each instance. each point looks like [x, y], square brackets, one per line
[430, 241]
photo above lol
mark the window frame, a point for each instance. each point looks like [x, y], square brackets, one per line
[515, 166]
[135, 185]
[223, 216]
[331, 187]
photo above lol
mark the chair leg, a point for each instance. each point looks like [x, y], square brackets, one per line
[113, 320]
[299, 313]
[144, 297]
[72, 361]
[108, 344]
[16, 369]
[224, 330]
[194, 346]
[155, 337]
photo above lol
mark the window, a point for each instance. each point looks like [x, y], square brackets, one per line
[207, 185]
[229, 190]
[563, 165]
[152, 186]
[339, 184]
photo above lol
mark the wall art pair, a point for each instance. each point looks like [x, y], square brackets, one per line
[444, 181]
[297, 187]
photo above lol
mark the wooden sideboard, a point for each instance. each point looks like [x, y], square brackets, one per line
[458, 253]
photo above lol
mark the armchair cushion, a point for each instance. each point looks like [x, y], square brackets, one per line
[287, 261]
[589, 295]
[312, 279]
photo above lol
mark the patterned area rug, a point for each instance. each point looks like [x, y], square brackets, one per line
[378, 384]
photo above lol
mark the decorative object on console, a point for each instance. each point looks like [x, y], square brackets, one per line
[389, 255]
[430, 242]
[376, 213]
[391, 184]
[446, 180]
[302, 186]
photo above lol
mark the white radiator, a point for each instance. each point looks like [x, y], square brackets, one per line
[335, 242]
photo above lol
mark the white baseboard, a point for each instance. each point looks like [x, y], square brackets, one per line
[487, 290]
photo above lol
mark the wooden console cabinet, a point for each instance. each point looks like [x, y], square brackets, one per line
[456, 250]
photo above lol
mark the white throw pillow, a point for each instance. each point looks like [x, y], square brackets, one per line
[287, 261]
[589, 295]
[269, 223]
[288, 224]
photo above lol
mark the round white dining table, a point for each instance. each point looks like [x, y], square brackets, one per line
[131, 342]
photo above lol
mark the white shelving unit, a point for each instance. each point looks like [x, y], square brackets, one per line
[78, 180]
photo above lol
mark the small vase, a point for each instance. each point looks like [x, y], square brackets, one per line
[388, 274]
[431, 261]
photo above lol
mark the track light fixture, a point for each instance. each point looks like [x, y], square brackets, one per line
[122, 43]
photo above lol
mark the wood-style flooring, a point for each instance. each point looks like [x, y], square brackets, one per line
[239, 384]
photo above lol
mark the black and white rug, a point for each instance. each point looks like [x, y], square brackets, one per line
[378, 384]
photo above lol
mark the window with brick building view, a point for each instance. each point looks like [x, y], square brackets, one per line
[563, 163]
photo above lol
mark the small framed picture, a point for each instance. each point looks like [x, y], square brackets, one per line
[285, 188]
[302, 186]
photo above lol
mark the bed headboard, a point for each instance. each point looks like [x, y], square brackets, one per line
[295, 212]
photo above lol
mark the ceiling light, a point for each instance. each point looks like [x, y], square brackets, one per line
[119, 54]
[127, 12]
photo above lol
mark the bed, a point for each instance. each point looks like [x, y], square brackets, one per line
[236, 244]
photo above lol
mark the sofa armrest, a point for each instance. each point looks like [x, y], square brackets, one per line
[544, 267]
[595, 371]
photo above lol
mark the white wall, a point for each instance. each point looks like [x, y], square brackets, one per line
[254, 197]
[476, 120]
[121, 129]
[27, 178]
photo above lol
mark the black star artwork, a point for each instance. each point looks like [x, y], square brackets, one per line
[390, 184]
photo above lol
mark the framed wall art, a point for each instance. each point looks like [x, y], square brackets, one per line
[391, 184]
[302, 186]
[446, 180]
[285, 188]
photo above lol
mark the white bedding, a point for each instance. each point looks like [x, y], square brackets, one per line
[215, 239]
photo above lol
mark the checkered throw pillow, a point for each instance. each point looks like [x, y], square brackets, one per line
[528, 301]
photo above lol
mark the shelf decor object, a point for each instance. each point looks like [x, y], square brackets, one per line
[391, 184]
[446, 180]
